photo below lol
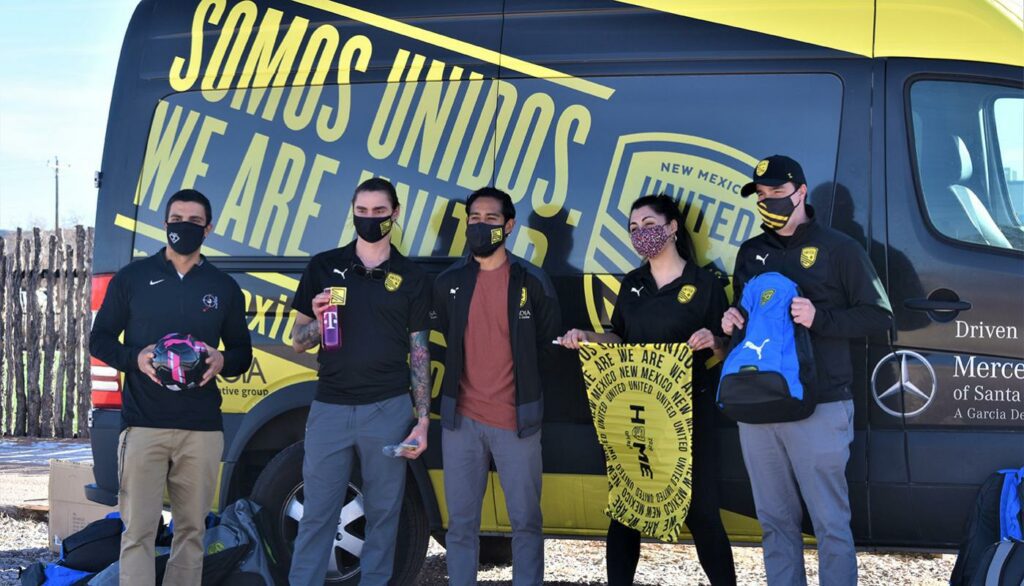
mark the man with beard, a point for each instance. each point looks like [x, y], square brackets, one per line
[170, 439]
[499, 314]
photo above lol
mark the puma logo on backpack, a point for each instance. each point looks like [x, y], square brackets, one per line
[758, 349]
[769, 372]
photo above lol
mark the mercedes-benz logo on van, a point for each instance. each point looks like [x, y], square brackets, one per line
[912, 382]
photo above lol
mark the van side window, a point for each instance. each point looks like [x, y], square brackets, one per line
[1009, 116]
[969, 150]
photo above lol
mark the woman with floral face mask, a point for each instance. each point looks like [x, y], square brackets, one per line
[670, 299]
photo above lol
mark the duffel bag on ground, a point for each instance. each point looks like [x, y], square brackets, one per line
[996, 516]
[1002, 565]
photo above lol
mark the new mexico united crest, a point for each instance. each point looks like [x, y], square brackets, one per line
[766, 295]
[392, 282]
[686, 294]
[697, 172]
[522, 299]
[339, 295]
[700, 174]
[496, 235]
[807, 256]
[761, 168]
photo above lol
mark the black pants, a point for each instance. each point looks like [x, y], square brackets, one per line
[703, 519]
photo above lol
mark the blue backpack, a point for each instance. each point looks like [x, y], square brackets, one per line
[768, 375]
[996, 522]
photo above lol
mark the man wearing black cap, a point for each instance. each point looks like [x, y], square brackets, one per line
[843, 299]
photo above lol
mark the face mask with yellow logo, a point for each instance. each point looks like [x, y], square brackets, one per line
[372, 229]
[484, 239]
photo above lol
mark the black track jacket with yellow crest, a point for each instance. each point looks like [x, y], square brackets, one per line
[834, 272]
[534, 321]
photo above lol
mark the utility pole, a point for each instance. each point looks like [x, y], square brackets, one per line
[55, 165]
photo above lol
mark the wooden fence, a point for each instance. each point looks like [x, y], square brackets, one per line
[45, 315]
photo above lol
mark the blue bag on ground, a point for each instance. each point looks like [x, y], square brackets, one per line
[1002, 565]
[767, 376]
[997, 518]
[1011, 513]
[53, 574]
[94, 547]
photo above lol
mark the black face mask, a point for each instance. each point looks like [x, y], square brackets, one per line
[776, 211]
[484, 239]
[185, 237]
[372, 229]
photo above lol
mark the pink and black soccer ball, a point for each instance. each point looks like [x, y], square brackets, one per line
[180, 361]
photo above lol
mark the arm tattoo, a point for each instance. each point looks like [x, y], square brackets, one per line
[419, 365]
[307, 335]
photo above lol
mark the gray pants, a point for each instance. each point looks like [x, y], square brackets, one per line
[335, 436]
[810, 454]
[467, 455]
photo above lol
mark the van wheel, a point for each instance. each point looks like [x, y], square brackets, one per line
[279, 490]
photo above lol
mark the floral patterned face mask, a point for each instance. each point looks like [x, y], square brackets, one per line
[649, 240]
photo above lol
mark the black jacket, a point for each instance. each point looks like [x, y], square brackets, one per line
[534, 321]
[834, 272]
[147, 300]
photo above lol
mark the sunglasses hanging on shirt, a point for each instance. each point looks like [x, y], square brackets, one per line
[374, 274]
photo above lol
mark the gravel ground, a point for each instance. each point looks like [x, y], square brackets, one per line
[582, 562]
[568, 562]
[23, 480]
[21, 543]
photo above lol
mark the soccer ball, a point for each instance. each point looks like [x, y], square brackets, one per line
[180, 361]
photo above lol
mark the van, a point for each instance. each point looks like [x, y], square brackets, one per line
[907, 120]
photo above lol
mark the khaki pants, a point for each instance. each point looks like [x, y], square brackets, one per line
[185, 463]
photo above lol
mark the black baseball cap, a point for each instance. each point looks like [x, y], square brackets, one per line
[774, 171]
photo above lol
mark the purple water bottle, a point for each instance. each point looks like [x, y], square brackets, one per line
[330, 323]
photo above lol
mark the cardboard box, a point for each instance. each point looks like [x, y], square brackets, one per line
[69, 509]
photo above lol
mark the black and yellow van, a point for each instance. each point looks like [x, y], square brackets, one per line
[906, 115]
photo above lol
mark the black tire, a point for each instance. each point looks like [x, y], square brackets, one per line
[495, 550]
[280, 483]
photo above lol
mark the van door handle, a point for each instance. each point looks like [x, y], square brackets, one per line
[936, 305]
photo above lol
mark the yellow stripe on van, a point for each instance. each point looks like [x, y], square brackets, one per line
[967, 30]
[469, 49]
[286, 283]
[989, 31]
[840, 24]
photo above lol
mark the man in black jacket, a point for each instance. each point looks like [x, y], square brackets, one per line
[498, 313]
[842, 299]
[170, 439]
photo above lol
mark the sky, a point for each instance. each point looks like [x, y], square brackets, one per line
[57, 63]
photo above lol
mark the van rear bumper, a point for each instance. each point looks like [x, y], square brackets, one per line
[100, 495]
[105, 430]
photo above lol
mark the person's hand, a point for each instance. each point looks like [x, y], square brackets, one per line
[732, 320]
[145, 360]
[702, 339]
[803, 311]
[418, 434]
[214, 364]
[573, 338]
[320, 303]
